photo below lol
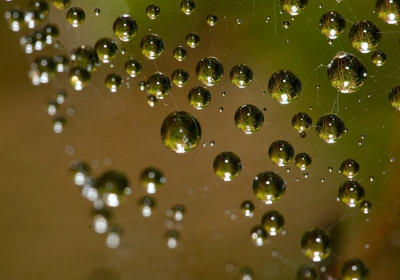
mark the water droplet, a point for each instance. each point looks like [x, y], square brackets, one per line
[172, 238]
[294, 7]
[388, 11]
[133, 67]
[351, 193]
[151, 46]
[332, 24]
[113, 187]
[15, 19]
[246, 274]
[371, 178]
[364, 36]
[301, 122]
[379, 58]
[142, 85]
[125, 27]
[199, 97]
[284, 86]
[394, 97]
[153, 11]
[349, 168]
[320, 6]
[354, 269]
[151, 100]
[180, 77]
[273, 222]
[113, 82]
[287, 169]
[212, 19]
[147, 205]
[258, 235]
[360, 142]
[61, 4]
[238, 21]
[152, 179]
[101, 219]
[159, 85]
[241, 75]
[249, 118]
[209, 71]
[269, 187]
[307, 271]
[79, 171]
[192, 39]
[61, 63]
[180, 53]
[52, 107]
[76, 16]
[365, 206]
[316, 244]
[212, 143]
[392, 159]
[302, 161]
[221, 109]
[280, 152]
[96, 11]
[85, 57]
[42, 70]
[51, 32]
[227, 166]
[78, 77]
[188, 6]
[177, 212]
[247, 208]
[106, 49]
[330, 128]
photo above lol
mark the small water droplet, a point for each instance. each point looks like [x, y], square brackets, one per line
[96, 11]
[360, 142]
[239, 21]
[221, 109]
[330, 168]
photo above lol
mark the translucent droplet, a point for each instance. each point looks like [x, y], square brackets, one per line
[113, 82]
[52, 107]
[364, 36]
[307, 272]
[332, 24]
[42, 70]
[284, 86]
[349, 168]
[61, 95]
[172, 238]
[360, 142]
[379, 58]
[330, 168]
[394, 97]
[221, 109]
[212, 143]
[15, 19]
[76, 16]
[180, 53]
[351, 193]
[113, 237]
[125, 27]
[246, 274]
[320, 6]
[61, 4]
[101, 219]
[302, 161]
[199, 97]
[273, 222]
[152, 179]
[346, 72]
[96, 11]
[223, 93]
[294, 7]
[269, 187]
[147, 205]
[362, 136]
[354, 269]
[212, 19]
[316, 244]
[133, 67]
[280, 152]
[151, 100]
[330, 128]
[106, 49]
[287, 169]
[80, 172]
[188, 6]
[58, 123]
[78, 77]
[113, 187]
[153, 11]
[301, 122]
[371, 178]
[258, 235]
[159, 85]
[142, 85]
[227, 166]
[365, 206]
[249, 118]
[286, 24]
[241, 75]
[85, 57]
[177, 212]
[33, 18]
[193, 39]
[388, 10]
[151, 46]
[247, 208]
[180, 77]
[61, 63]
[180, 132]
[209, 71]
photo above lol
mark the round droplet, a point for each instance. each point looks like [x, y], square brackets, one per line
[220, 109]
[188, 6]
[159, 85]
[38, 6]
[151, 100]
[133, 67]
[58, 123]
[78, 77]
[80, 172]
[106, 49]
[52, 107]
[61, 4]
[212, 19]
[273, 222]
[354, 269]
[172, 238]
[284, 86]
[280, 152]
[96, 11]
[258, 235]
[152, 179]
[365, 206]
[364, 36]
[388, 10]
[180, 132]
[209, 71]
[227, 166]
[349, 168]
[42, 70]
[180, 77]
[394, 97]
[316, 244]
[193, 39]
[101, 219]
[147, 205]
[199, 97]
[15, 19]
[241, 75]
[247, 208]
[76, 16]
[113, 187]
[302, 161]
[332, 24]
[330, 128]
[269, 187]
[125, 27]
[286, 24]
[85, 57]
[177, 212]
[379, 58]
[301, 122]
[294, 7]
[61, 95]
[307, 272]
[153, 11]
[180, 53]
[249, 118]
[61, 63]
[151, 46]
[346, 72]
[351, 193]
[113, 82]
[28, 43]
[32, 18]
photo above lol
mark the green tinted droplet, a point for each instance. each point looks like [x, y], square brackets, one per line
[199, 97]
[58, 123]
[39, 39]
[180, 53]
[159, 85]
[106, 49]
[302, 161]
[394, 97]
[180, 132]
[151, 100]
[354, 269]
[365, 206]
[273, 222]
[28, 43]
[388, 10]
[247, 208]
[351, 193]
[96, 11]
[133, 67]
[316, 244]
[76, 16]
[33, 19]
[125, 27]
[85, 57]
[241, 75]
[51, 31]
[212, 19]
[113, 187]
[147, 205]
[249, 118]
[192, 39]
[38, 6]
[307, 272]
[152, 179]
[269, 187]
[180, 77]
[364, 36]
[151, 46]
[80, 172]
[346, 72]
[188, 6]
[152, 11]
[284, 86]
[227, 166]
[330, 128]
[294, 7]
[280, 152]
[15, 19]
[61, 4]
[258, 235]
[209, 71]
[113, 82]
[379, 58]
[349, 168]
[42, 70]
[78, 77]
[301, 122]
[286, 24]
[332, 24]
